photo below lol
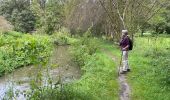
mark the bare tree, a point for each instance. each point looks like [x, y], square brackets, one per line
[131, 14]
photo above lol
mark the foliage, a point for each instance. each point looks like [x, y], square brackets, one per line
[62, 38]
[97, 67]
[23, 21]
[87, 46]
[108, 17]
[49, 17]
[19, 14]
[18, 50]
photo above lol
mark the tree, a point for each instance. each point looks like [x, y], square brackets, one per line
[160, 23]
[19, 14]
[84, 14]
[49, 14]
[131, 14]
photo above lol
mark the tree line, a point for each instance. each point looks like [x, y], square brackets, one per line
[103, 17]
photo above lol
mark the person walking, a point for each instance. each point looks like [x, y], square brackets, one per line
[125, 44]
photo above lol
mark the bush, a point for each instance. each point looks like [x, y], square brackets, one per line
[62, 38]
[17, 50]
[83, 49]
[19, 14]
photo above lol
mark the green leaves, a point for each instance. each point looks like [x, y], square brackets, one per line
[19, 14]
[84, 48]
[23, 50]
[49, 15]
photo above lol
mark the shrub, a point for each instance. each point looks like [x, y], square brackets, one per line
[62, 38]
[18, 50]
[19, 14]
[83, 49]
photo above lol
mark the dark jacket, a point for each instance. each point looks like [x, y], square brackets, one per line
[124, 42]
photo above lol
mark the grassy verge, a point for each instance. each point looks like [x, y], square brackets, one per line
[99, 78]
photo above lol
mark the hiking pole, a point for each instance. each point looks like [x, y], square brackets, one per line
[120, 63]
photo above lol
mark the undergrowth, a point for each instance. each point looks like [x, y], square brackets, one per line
[17, 49]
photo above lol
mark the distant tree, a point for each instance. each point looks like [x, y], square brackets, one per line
[167, 17]
[160, 23]
[131, 14]
[19, 14]
[84, 14]
[109, 17]
[49, 14]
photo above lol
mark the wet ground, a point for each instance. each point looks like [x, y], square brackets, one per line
[20, 78]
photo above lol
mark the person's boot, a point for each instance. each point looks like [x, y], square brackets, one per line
[128, 70]
[123, 72]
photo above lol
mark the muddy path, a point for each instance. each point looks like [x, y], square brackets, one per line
[124, 88]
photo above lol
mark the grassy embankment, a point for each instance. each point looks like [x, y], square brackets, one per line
[99, 79]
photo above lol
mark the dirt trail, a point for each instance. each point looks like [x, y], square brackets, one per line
[125, 91]
[5, 25]
[124, 88]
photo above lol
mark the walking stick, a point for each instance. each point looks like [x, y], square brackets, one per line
[120, 63]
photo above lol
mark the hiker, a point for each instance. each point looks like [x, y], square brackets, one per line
[125, 44]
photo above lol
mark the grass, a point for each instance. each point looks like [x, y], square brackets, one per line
[99, 79]
[150, 63]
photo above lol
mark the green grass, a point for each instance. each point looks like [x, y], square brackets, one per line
[99, 79]
[150, 64]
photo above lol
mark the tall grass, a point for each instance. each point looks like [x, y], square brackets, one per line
[150, 63]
